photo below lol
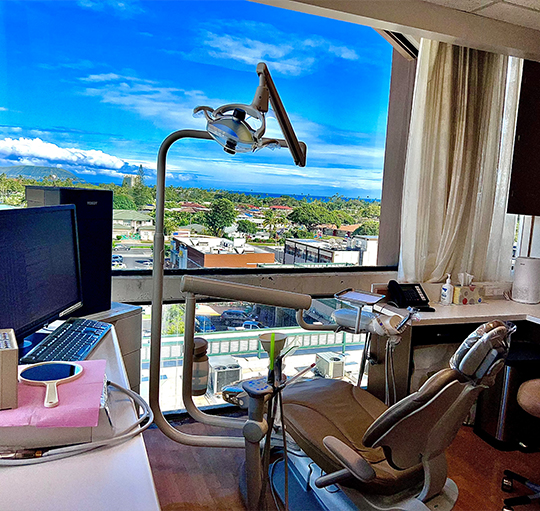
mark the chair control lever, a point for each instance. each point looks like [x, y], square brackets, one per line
[354, 463]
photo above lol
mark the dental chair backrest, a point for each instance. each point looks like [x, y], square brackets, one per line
[422, 425]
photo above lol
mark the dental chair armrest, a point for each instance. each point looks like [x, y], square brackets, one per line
[354, 463]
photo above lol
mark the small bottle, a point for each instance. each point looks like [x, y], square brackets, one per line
[199, 380]
[447, 292]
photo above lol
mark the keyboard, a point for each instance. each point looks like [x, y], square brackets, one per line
[73, 340]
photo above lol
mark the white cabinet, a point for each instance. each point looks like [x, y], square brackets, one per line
[127, 321]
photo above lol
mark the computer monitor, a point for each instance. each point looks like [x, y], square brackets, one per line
[39, 267]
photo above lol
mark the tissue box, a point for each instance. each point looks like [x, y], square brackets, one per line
[468, 295]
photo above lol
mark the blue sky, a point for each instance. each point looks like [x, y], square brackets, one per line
[94, 86]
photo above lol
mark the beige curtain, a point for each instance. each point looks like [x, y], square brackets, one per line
[454, 197]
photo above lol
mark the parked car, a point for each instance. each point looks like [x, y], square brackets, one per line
[117, 258]
[252, 325]
[203, 324]
[234, 317]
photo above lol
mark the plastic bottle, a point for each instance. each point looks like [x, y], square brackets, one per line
[199, 380]
[447, 292]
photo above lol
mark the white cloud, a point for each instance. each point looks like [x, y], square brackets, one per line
[165, 106]
[3, 109]
[104, 77]
[122, 8]
[286, 53]
[36, 151]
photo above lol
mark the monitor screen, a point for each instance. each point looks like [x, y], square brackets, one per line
[39, 267]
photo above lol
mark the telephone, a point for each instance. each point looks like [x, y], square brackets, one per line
[408, 295]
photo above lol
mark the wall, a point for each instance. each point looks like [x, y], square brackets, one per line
[138, 289]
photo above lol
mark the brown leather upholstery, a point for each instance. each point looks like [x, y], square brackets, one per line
[322, 407]
[410, 403]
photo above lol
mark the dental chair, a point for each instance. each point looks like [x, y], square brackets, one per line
[392, 458]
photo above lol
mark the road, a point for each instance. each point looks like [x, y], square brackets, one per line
[134, 259]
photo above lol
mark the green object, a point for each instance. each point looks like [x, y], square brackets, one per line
[272, 346]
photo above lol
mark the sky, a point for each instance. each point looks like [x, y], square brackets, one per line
[94, 86]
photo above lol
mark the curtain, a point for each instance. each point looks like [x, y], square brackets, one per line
[457, 168]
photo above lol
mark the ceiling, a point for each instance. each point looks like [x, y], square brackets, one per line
[525, 13]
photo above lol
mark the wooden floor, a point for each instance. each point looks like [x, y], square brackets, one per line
[206, 479]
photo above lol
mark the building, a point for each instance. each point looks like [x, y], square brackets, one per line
[147, 232]
[212, 252]
[358, 251]
[343, 231]
[129, 222]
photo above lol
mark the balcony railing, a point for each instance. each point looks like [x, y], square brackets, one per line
[247, 343]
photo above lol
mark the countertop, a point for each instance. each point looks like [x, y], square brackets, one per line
[505, 310]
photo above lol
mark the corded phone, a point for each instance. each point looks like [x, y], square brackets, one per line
[408, 295]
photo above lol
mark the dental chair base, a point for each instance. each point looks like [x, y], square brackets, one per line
[331, 498]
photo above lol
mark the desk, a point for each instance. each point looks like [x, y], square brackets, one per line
[433, 328]
[117, 478]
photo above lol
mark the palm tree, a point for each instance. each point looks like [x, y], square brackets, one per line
[271, 220]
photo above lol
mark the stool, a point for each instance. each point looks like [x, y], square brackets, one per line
[528, 398]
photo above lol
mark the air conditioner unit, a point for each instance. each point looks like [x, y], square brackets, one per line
[330, 364]
[223, 371]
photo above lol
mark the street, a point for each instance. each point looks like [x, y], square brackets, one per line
[135, 258]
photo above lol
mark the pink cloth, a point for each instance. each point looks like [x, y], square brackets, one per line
[78, 402]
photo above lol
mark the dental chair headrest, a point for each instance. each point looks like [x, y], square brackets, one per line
[479, 354]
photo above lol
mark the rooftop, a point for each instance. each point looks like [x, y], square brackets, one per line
[129, 214]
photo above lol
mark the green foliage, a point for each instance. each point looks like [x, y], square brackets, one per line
[123, 201]
[173, 322]
[247, 227]
[339, 218]
[221, 215]
[307, 213]
[310, 214]
[368, 228]
[298, 232]
[141, 193]
[271, 221]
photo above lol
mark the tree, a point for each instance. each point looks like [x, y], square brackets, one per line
[368, 228]
[221, 215]
[247, 227]
[271, 221]
[310, 214]
[174, 320]
[142, 195]
[122, 201]
[339, 218]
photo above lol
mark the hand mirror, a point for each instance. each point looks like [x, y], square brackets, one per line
[50, 374]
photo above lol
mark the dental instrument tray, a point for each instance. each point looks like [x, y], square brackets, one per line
[358, 297]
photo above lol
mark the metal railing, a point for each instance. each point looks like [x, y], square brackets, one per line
[245, 344]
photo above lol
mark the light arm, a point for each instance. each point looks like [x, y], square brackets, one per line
[298, 149]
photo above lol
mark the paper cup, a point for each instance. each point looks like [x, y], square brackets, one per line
[266, 340]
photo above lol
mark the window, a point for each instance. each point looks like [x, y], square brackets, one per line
[111, 87]
[235, 353]
[92, 89]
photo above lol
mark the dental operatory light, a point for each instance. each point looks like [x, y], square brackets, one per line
[231, 125]
[239, 129]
